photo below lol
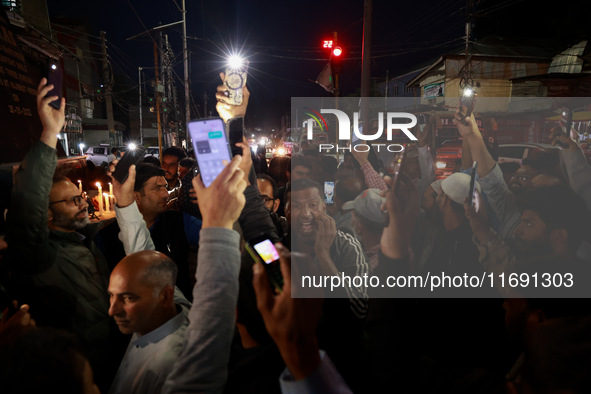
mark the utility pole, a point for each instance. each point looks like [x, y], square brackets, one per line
[386, 92]
[139, 74]
[366, 64]
[186, 67]
[108, 93]
[158, 102]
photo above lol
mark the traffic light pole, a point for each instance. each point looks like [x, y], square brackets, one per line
[337, 91]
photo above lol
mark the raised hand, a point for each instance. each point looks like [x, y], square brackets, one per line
[221, 203]
[123, 192]
[52, 119]
[291, 322]
[225, 109]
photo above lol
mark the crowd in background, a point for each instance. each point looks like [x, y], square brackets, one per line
[165, 298]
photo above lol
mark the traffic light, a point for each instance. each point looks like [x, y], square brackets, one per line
[335, 59]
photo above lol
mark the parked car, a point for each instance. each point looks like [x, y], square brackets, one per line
[153, 151]
[98, 154]
[517, 152]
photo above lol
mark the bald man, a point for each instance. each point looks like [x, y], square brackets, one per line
[141, 292]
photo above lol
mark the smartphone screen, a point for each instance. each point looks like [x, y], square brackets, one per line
[266, 250]
[55, 78]
[329, 192]
[210, 145]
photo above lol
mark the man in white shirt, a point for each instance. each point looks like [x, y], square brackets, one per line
[141, 292]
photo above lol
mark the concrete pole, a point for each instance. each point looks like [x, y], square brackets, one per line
[158, 103]
[108, 92]
[186, 67]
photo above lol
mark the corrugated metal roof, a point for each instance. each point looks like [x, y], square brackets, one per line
[569, 61]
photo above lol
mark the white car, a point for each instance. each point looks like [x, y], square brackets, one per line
[517, 152]
[153, 151]
[98, 154]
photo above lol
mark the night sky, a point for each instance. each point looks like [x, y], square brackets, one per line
[283, 39]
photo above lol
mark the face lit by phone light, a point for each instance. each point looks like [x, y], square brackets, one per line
[153, 197]
[65, 212]
[300, 210]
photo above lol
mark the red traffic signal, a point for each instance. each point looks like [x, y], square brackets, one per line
[337, 51]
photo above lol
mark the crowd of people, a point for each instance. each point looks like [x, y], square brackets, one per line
[164, 298]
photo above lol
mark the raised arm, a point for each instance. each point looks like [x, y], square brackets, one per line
[27, 220]
[500, 198]
[577, 168]
[134, 233]
[203, 363]
[473, 138]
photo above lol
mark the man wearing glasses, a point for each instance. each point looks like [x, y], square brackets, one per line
[268, 189]
[68, 210]
[55, 264]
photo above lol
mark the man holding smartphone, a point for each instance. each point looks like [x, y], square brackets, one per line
[54, 260]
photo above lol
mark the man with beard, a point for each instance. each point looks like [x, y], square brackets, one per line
[55, 265]
[170, 164]
[173, 232]
[330, 252]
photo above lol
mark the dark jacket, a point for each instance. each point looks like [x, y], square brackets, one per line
[62, 275]
[168, 235]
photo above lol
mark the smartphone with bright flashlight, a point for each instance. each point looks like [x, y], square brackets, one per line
[133, 155]
[235, 79]
[55, 77]
[566, 123]
[211, 147]
[467, 103]
[472, 189]
[264, 252]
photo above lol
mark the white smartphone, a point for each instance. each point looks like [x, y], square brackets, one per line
[211, 147]
[235, 80]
